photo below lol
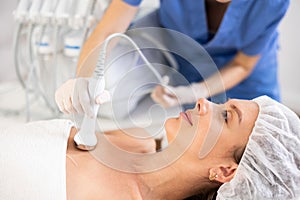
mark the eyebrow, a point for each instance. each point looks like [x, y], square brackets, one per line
[238, 111]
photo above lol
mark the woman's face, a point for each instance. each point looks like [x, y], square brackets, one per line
[232, 121]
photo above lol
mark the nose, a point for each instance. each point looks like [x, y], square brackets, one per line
[202, 106]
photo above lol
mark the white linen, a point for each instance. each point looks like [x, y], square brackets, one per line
[33, 160]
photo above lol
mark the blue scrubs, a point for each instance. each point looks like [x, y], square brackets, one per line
[249, 26]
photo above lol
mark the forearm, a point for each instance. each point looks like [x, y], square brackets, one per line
[115, 20]
[230, 75]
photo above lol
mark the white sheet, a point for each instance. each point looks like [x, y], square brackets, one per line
[33, 160]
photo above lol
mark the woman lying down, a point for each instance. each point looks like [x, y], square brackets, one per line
[256, 156]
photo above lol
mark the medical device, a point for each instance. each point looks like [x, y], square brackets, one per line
[48, 38]
[43, 29]
[21, 13]
[86, 138]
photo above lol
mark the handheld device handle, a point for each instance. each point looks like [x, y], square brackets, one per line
[86, 138]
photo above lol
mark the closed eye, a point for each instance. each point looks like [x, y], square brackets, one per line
[225, 115]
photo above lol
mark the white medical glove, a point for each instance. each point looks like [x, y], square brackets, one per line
[73, 97]
[169, 96]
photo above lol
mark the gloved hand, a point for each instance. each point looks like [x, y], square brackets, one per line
[169, 96]
[73, 97]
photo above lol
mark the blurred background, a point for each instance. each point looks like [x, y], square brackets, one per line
[13, 98]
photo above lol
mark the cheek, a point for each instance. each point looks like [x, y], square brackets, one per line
[228, 140]
[221, 145]
[202, 129]
[209, 134]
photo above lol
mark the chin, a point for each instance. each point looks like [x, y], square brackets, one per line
[170, 124]
[223, 1]
[171, 127]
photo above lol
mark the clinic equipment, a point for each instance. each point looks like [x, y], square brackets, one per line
[43, 27]
[47, 42]
[270, 165]
[86, 138]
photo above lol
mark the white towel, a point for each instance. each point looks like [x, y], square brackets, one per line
[33, 160]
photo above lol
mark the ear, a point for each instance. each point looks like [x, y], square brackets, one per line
[223, 173]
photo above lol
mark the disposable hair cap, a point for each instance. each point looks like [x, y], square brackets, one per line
[270, 165]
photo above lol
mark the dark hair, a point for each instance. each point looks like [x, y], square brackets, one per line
[208, 195]
[211, 194]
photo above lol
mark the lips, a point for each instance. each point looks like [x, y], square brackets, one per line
[187, 117]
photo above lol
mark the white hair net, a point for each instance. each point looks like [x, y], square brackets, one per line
[270, 165]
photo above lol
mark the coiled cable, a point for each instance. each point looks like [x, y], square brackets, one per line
[99, 71]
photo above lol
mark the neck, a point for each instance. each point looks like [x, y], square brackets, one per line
[177, 181]
[174, 173]
[215, 12]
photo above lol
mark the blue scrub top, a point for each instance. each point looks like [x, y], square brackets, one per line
[249, 26]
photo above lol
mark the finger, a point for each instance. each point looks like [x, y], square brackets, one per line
[61, 107]
[164, 100]
[59, 101]
[84, 100]
[59, 104]
[170, 91]
[76, 104]
[160, 97]
[79, 89]
[103, 97]
[166, 80]
[169, 101]
[69, 106]
[157, 93]
[64, 110]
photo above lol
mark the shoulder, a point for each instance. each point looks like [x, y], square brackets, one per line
[264, 11]
[270, 5]
[277, 5]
